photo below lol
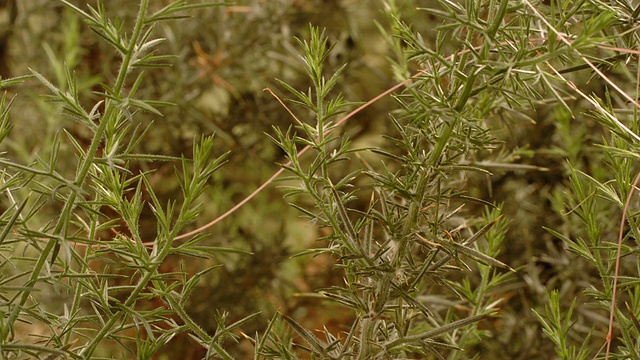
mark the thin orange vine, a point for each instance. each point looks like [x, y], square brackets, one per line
[617, 269]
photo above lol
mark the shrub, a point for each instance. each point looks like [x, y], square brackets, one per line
[486, 159]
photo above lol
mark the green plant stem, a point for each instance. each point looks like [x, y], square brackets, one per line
[435, 332]
[87, 352]
[179, 309]
[62, 225]
[60, 231]
[412, 220]
[366, 337]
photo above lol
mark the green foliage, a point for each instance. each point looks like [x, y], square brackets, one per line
[558, 326]
[99, 196]
[475, 213]
[399, 248]
[443, 134]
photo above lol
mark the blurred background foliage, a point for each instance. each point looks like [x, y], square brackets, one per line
[225, 58]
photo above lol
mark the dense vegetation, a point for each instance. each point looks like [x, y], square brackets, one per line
[423, 179]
